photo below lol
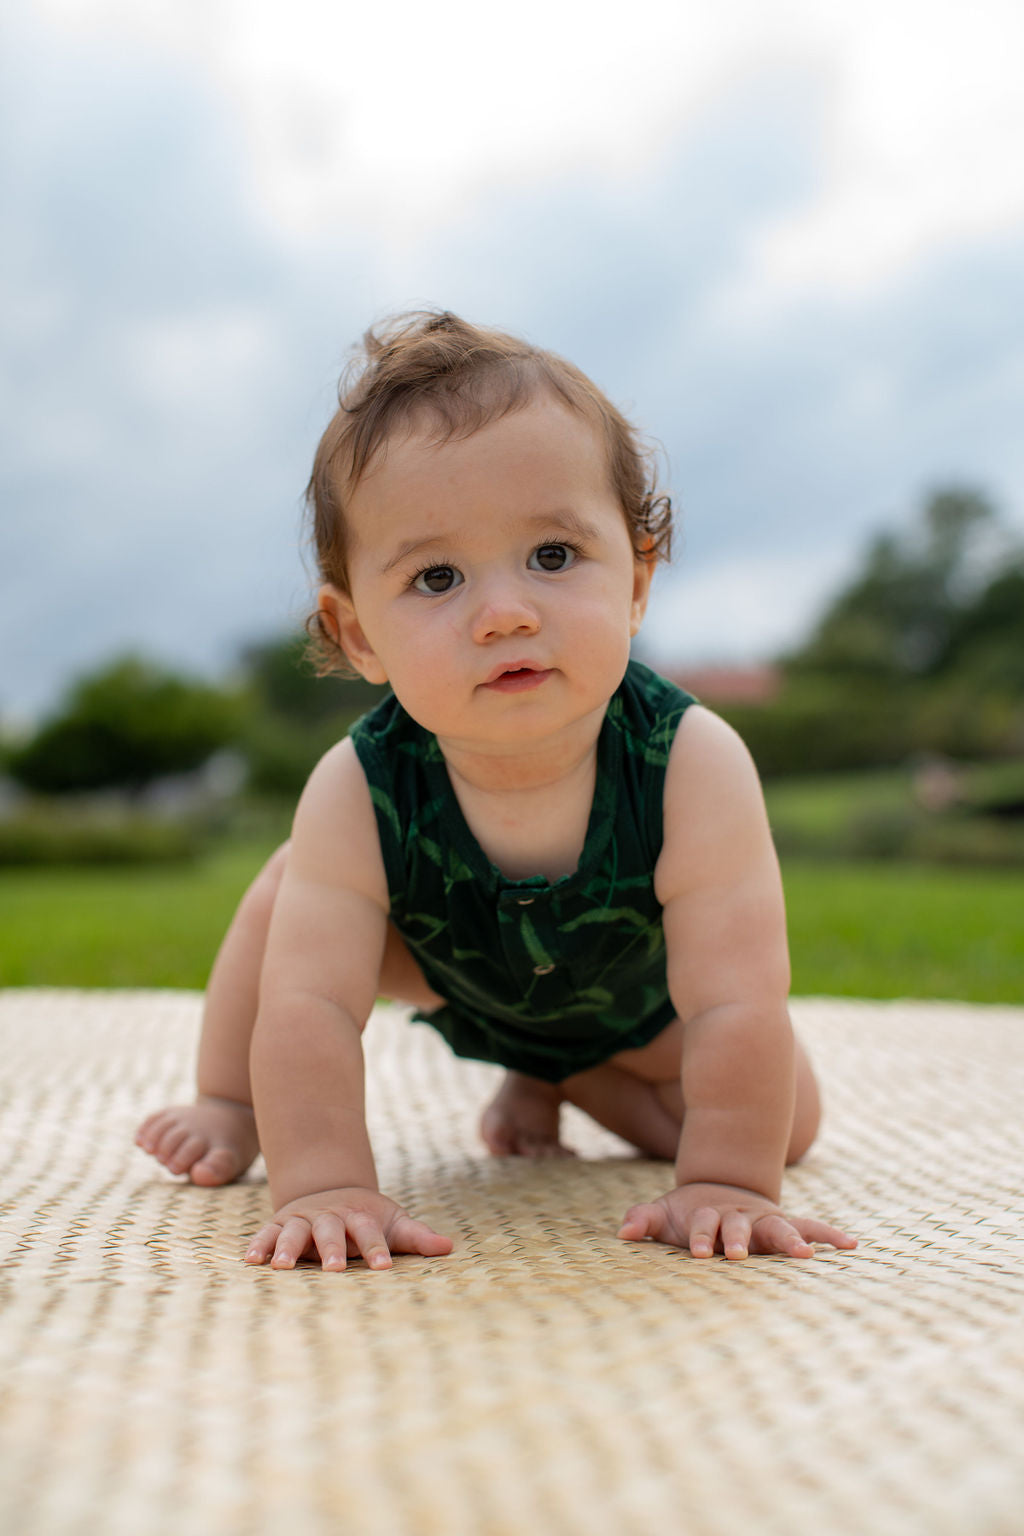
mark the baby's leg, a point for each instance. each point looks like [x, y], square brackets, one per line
[522, 1118]
[214, 1140]
[638, 1095]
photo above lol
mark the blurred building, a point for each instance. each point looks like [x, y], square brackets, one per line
[755, 684]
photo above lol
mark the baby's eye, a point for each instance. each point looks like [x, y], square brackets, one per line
[552, 557]
[437, 578]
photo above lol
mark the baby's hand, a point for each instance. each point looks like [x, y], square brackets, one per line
[339, 1224]
[736, 1221]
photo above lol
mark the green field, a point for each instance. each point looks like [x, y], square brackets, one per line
[856, 929]
[120, 927]
[906, 930]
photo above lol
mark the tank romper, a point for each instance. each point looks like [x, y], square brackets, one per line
[546, 978]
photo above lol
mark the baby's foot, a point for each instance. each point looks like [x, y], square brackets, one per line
[522, 1119]
[213, 1140]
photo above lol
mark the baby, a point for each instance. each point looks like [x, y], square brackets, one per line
[561, 859]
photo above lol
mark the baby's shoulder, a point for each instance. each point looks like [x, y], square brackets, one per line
[716, 826]
[336, 791]
[710, 757]
[335, 828]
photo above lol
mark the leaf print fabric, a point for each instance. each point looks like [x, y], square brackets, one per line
[546, 978]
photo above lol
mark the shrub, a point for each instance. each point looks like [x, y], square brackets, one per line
[55, 836]
[819, 724]
[281, 753]
[124, 726]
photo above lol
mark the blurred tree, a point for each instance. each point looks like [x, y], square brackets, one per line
[987, 638]
[296, 716]
[125, 725]
[900, 615]
[921, 652]
[285, 684]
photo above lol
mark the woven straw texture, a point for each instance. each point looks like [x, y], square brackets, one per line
[545, 1377]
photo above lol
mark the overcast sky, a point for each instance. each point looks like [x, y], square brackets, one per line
[787, 237]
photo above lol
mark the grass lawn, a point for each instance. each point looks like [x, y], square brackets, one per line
[856, 929]
[820, 806]
[906, 930]
[157, 926]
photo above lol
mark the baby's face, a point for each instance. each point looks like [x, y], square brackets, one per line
[492, 578]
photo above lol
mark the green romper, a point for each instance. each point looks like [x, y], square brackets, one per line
[547, 979]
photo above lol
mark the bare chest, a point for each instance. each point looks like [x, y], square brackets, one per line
[537, 832]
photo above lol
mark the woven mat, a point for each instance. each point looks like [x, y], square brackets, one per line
[544, 1378]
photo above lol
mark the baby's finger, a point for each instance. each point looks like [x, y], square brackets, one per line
[640, 1221]
[263, 1244]
[407, 1235]
[330, 1238]
[736, 1228]
[777, 1234]
[704, 1225]
[366, 1233]
[292, 1243]
[821, 1232]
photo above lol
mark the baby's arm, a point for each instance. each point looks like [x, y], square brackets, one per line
[728, 974]
[318, 986]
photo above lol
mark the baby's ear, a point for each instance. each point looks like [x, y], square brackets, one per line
[643, 572]
[338, 617]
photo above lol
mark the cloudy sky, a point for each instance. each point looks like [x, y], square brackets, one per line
[787, 236]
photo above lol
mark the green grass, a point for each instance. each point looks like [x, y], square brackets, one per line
[822, 805]
[123, 927]
[877, 815]
[856, 929]
[906, 930]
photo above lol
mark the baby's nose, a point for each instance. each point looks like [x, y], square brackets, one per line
[504, 608]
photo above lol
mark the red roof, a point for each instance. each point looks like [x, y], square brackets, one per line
[756, 684]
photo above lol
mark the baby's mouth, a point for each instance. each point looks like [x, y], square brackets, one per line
[515, 679]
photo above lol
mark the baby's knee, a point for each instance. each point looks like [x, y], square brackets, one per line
[261, 895]
[273, 869]
[807, 1110]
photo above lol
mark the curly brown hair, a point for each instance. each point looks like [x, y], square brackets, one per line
[463, 376]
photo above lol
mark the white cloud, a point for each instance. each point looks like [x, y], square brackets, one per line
[209, 200]
[918, 145]
[399, 115]
[192, 361]
[395, 116]
[738, 608]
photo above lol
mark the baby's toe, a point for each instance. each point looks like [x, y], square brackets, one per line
[498, 1139]
[186, 1154]
[542, 1147]
[151, 1130]
[218, 1166]
[168, 1142]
